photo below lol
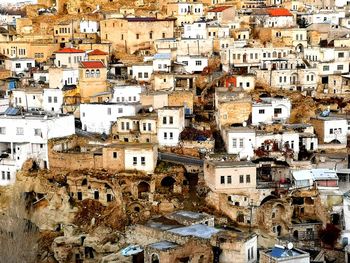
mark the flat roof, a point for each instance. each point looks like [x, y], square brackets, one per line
[198, 230]
[231, 163]
[163, 245]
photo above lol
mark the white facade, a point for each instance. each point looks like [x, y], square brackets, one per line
[270, 109]
[64, 76]
[24, 137]
[140, 159]
[28, 99]
[279, 21]
[69, 60]
[141, 72]
[329, 17]
[335, 129]
[9, 19]
[162, 62]
[171, 122]
[195, 30]
[193, 63]
[127, 93]
[98, 117]
[41, 76]
[52, 100]
[19, 65]
[88, 26]
[241, 141]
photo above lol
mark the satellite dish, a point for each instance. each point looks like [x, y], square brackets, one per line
[290, 246]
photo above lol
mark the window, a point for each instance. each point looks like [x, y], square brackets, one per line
[340, 67]
[109, 111]
[120, 110]
[325, 68]
[145, 75]
[171, 120]
[127, 126]
[229, 179]
[115, 155]
[261, 111]
[54, 99]
[143, 160]
[241, 143]
[134, 160]
[198, 63]
[241, 179]
[340, 54]
[122, 37]
[247, 178]
[123, 126]
[330, 131]
[163, 35]
[37, 132]
[149, 126]
[3, 175]
[19, 131]
[165, 136]
[2, 130]
[222, 179]
[137, 36]
[277, 110]
[164, 120]
[87, 74]
[234, 143]
[18, 65]
[49, 99]
[98, 73]
[139, 75]
[150, 35]
[170, 135]
[8, 176]
[144, 126]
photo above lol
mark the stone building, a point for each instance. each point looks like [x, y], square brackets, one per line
[133, 33]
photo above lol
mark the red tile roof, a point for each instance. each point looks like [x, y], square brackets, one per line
[278, 12]
[70, 50]
[219, 9]
[97, 52]
[92, 64]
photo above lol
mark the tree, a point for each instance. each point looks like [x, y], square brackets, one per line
[329, 235]
[18, 235]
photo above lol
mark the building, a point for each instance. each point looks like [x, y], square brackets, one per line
[229, 177]
[25, 136]
[185, 12]
[171, 122]
[99, 117]
[19, 65]
[330, 129]
[133, 33]
[268, 110]
[69, 58]
[283, 254]
[240, 141]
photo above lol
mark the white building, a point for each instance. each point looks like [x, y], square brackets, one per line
[27, 98]
[69, 58]
[141, 158]
[41, 76]
[89, 26]
[26, 136]
[99, 117]
[240, 141]
[60, 77]
[141, 72]
[267, 110]
[52, 100]
[127, 93]
[162, 62]
[19, 65]
[196, 30]
[331, 129]
[193, 63]
[171, 122]
[276, 17]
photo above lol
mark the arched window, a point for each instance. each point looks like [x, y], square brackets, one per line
[97, 73]
[154, 258]
[87, 74]
[92, 73]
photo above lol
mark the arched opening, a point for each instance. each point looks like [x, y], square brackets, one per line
[84, 182]
[240, 218]
[335, 219]
[299, 48]
[296, 234]
[167, 182]
[154, 258]
[268, 198]
[335, 141]
[279, 230]
[142, 189]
